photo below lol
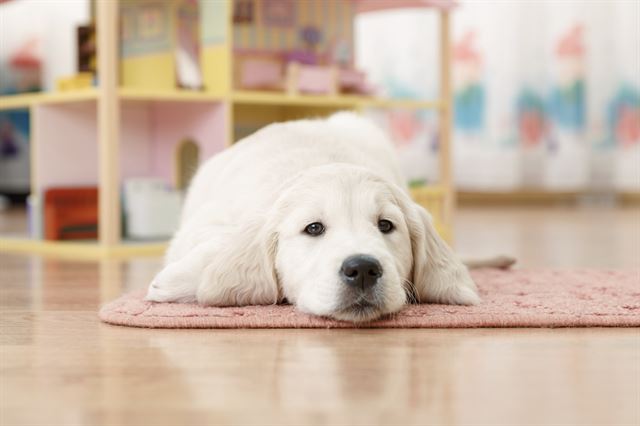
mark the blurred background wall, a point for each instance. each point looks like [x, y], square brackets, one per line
[37, 45]
[547, 93]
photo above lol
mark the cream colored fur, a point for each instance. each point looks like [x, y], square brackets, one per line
[240, 239]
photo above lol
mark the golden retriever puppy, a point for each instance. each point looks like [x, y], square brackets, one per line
[314, 212]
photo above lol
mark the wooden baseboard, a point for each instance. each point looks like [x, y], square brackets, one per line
[629, 198]
[542, 197]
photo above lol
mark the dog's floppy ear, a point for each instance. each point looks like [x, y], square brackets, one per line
[233, 266]
[438, 275]
[243, 271]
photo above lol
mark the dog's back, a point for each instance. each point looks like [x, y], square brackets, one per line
[245, 178]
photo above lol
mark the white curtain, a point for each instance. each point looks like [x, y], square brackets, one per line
[547, 93]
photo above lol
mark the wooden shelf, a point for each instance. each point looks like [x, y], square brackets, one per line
[237, 97]
[340, 101]
[168, 95]
[80, 249]
[31, 99]
[27, 100]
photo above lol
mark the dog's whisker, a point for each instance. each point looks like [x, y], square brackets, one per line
[410, 290]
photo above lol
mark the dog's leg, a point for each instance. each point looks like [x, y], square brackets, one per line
[233, 266]
[178, 281]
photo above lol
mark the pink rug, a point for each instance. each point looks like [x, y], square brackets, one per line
[518, 298]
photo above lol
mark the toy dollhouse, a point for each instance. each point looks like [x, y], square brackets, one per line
[178, 81]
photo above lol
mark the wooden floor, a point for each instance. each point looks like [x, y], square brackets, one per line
[60, 366]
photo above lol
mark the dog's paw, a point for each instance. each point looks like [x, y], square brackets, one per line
[458, 290]
[173, 284]
[461, 295]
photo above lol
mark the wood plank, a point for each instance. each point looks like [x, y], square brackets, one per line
[446, 122]
[108, 124]
[60, 365]
[27, 100]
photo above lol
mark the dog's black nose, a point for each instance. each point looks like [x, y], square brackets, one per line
[361, 271]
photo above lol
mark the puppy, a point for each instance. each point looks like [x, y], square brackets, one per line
[314, 212]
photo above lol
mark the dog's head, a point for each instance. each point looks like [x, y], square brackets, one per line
[343, 244]
[340, 242]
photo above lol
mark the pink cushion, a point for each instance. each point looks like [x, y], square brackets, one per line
[315, 79]
[261, 73]
[518, 298]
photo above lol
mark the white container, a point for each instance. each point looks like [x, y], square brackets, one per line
[151, 210]
[34, 217]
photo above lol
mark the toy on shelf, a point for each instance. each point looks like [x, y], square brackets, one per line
[86, 47]
[354, 81]
[259, 72]
[325, 80]
[25, 70]
[71, 213]
[86, 62]
[315, 59]
[311, 79]
[160, 44]
[307, 54]
[80, 81]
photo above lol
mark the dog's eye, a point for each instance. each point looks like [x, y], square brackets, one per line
[385, 226]
[314, 229]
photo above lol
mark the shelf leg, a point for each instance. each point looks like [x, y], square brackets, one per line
[108, 124]
[446, 110]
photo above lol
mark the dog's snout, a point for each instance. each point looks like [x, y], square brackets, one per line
[361, 271]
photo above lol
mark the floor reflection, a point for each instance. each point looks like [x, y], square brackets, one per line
[356, 373]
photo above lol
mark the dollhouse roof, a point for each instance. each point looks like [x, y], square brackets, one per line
[373, 5]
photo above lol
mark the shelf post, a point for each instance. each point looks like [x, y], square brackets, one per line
[446, 111]
[108, 124]
[229, 83]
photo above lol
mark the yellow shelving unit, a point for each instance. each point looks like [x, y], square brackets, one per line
[217, 60]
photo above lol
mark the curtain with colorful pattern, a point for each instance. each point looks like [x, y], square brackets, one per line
[546, 93]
